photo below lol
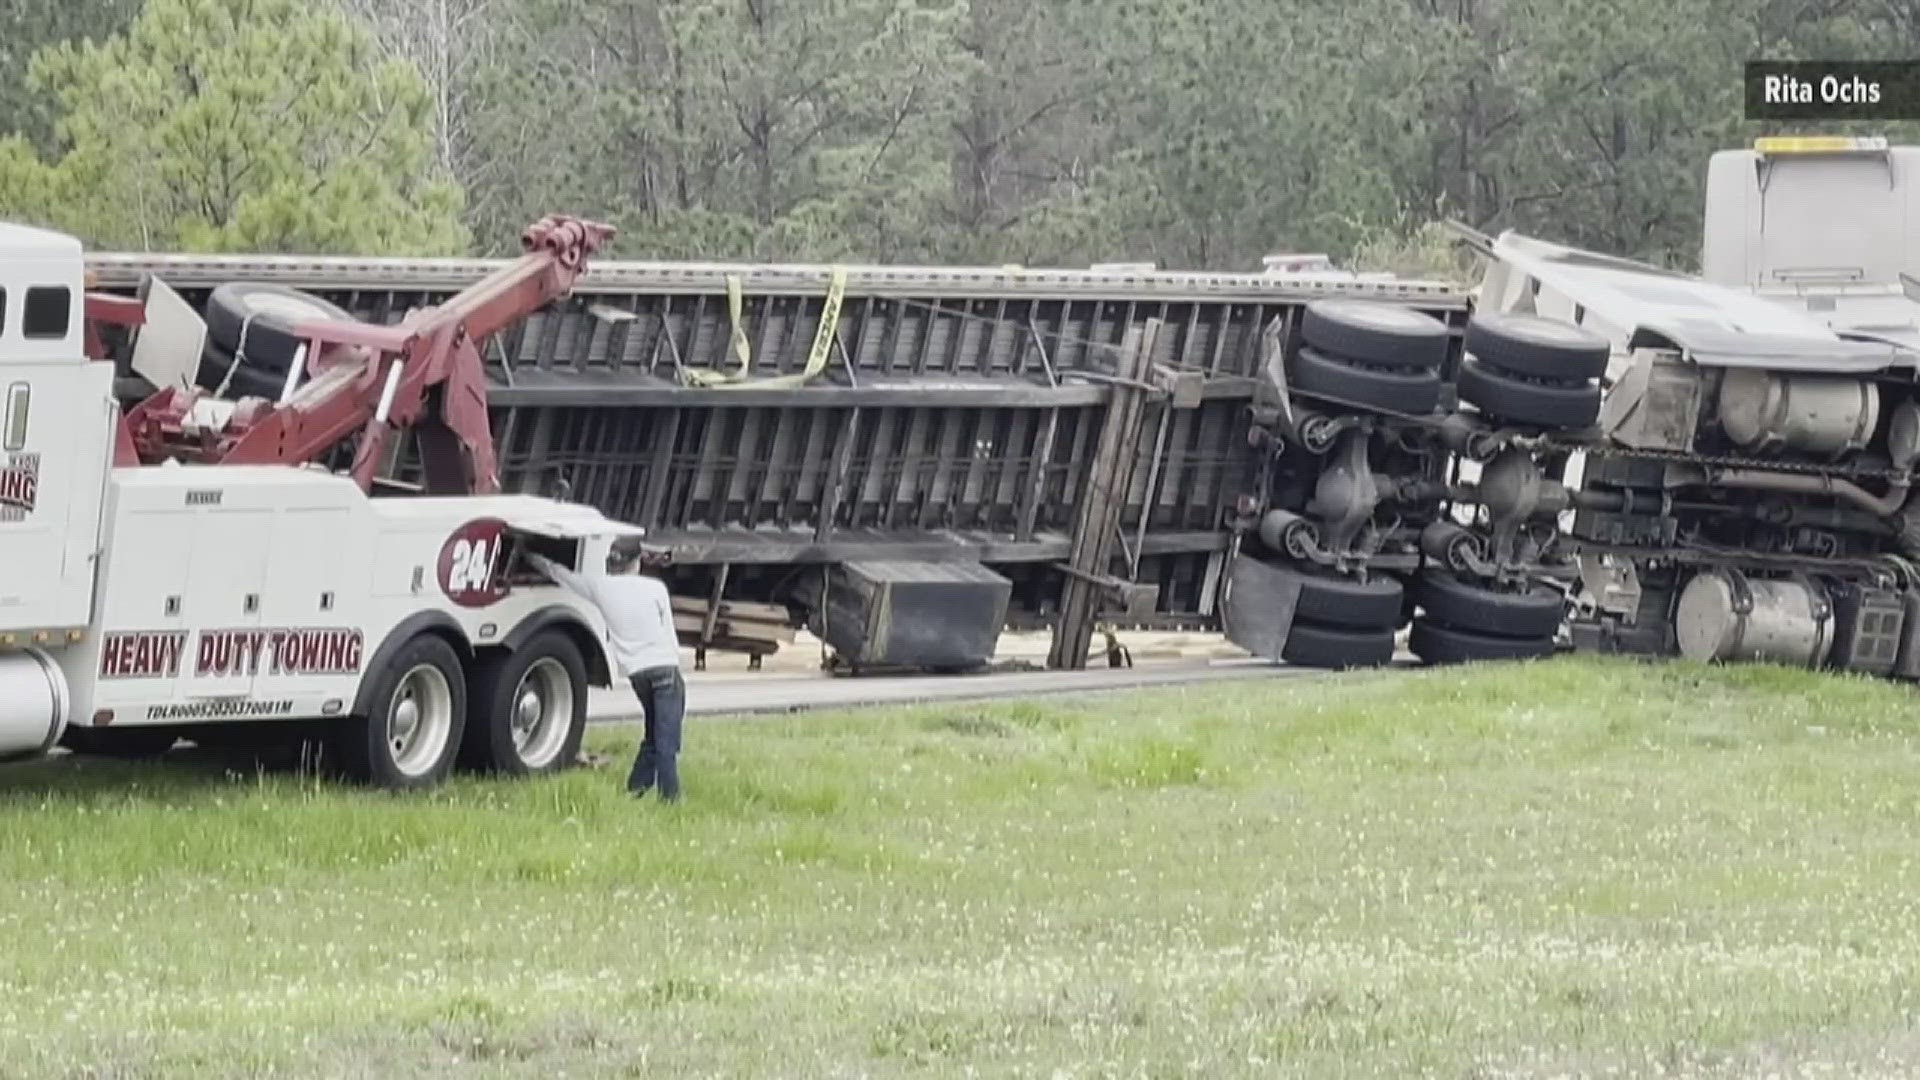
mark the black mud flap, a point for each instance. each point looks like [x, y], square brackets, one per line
[1257, 612]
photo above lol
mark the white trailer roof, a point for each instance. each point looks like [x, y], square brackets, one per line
[121, 269]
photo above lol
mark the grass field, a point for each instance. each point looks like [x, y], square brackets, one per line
[1582, 868]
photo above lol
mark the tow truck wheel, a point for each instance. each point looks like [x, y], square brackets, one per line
[416, 714]
[529, 708]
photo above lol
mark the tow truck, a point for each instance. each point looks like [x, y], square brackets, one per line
[193, 568]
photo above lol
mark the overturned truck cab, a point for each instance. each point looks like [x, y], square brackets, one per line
[1624, 459]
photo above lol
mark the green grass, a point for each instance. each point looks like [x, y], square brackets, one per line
[1580, 868]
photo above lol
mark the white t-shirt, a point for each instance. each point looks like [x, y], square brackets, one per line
[638, 612]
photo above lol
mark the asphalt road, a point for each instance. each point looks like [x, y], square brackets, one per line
[731, 694]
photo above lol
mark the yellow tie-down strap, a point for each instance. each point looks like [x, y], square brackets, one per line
[740, 378]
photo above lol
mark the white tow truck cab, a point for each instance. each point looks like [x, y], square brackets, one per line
[144, 604]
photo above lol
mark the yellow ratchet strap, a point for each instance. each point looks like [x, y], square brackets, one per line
[739, 378]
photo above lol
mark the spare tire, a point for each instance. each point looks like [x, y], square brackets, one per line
[268, 314]
[1393, 391]
[1538, 347]
[1516, 400]
[247, 380]
[1448, 600]
[1376, 333]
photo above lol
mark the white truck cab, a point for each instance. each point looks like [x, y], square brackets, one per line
[143, 604]
[1829, 225]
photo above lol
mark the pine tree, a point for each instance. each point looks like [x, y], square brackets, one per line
[240, 126]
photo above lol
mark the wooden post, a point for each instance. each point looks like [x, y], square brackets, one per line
[1103, 502]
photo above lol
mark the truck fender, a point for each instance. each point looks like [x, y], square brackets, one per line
[420, 622]
[592, 649]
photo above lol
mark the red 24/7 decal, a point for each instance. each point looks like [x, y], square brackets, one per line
[469, 562]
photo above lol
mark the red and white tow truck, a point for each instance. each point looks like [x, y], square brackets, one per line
[186, 569]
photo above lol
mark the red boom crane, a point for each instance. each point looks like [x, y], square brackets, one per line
[426, 372]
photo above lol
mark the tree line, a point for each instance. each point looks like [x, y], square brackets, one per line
[1195, 133]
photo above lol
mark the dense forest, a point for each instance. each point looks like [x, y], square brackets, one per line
[1191, 132]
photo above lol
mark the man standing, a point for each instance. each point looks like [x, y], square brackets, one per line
[639, 615]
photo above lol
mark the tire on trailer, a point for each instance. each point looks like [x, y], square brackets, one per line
[1450, 601]
[1437, 644]
[528, 708]
[1311, 645]
[1375, 333]
[274, 310]
[1395, 391]
[416, 714]
[1510, 398]
[1333, 600]
[1537, 347]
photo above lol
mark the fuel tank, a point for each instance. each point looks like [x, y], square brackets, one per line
[33, 704]
[1723, 615]
[1817, 415]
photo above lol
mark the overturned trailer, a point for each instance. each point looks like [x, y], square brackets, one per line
[1606, 452]
[886, 451]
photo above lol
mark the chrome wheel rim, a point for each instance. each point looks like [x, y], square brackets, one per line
[420, 720]
[542, 712]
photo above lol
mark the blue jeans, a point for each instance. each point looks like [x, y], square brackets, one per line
[663, 698]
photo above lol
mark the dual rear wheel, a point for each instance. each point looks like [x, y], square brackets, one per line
[517, 713]
[1372, 356]
[1341, 622]
[1462, 621]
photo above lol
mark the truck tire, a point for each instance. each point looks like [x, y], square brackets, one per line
[1449, 601]
[1389, 390]
[1519, 401]
[1312, 645]
[1333, 600]
[1375, 333]
[1437, 644]
[247, 381]
[416, 714]
[274, 310]
[528, 708]
[1537, 347]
